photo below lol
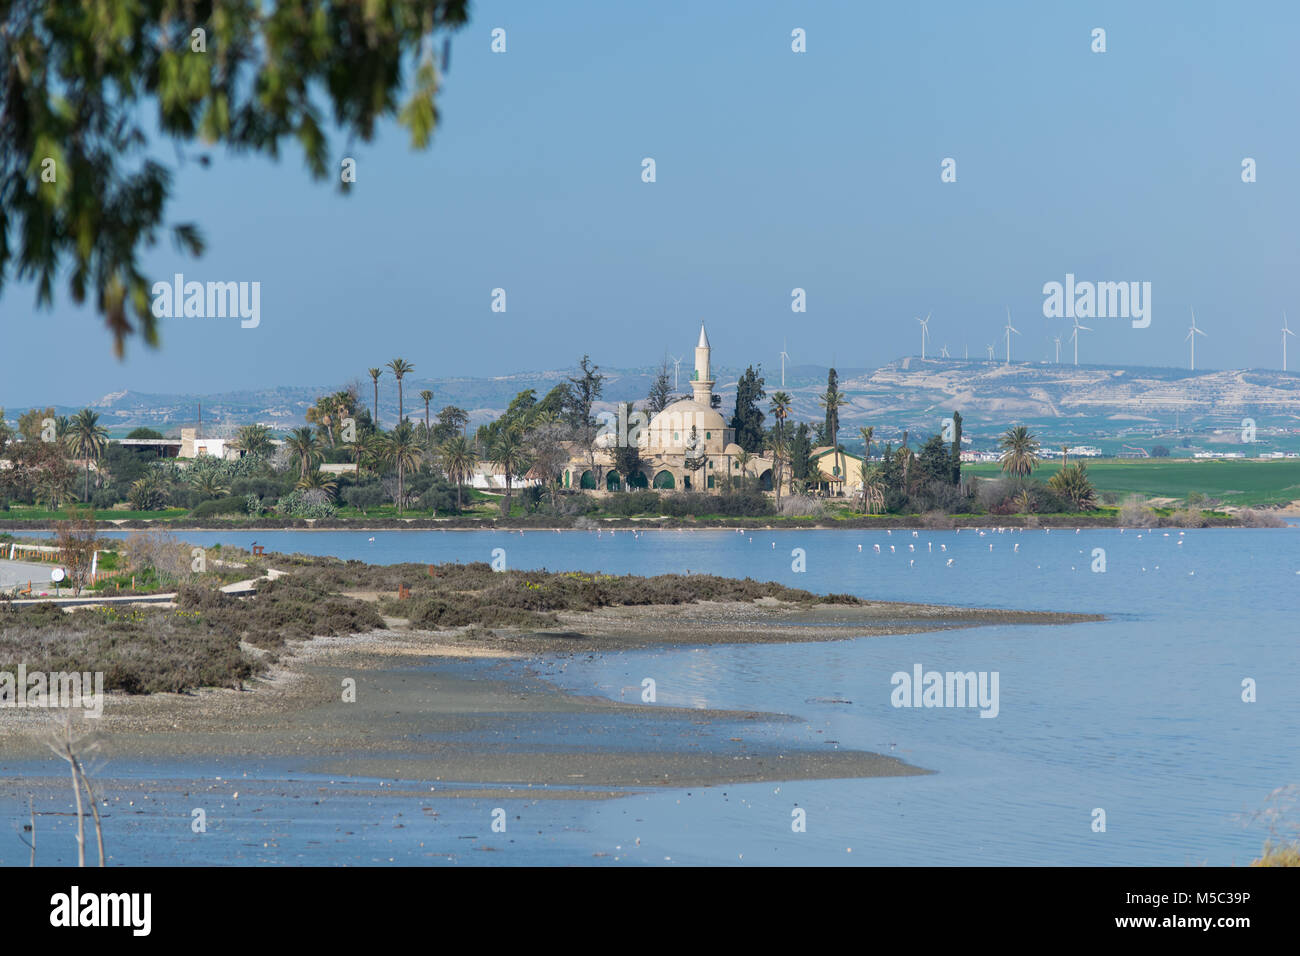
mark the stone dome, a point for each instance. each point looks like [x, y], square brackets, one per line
[677, 420]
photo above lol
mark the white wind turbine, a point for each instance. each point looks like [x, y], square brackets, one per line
[925, 332]
[785, 356]
[1074, 337]
[943, 352]
[1009, 330]
[1192, 333]
[990, 348]
[1285, 332]
[1057, 340]
[677, 365]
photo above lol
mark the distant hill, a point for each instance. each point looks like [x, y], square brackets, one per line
[905, 394]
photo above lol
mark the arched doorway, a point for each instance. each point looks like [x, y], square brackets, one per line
[613, 482]
[637, 479]
[665, 480]
[765, 480]
[588, 482]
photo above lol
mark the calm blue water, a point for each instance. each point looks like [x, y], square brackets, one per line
[1141, 716]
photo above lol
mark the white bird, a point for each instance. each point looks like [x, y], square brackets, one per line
[929, 547]
[943, 547]
[949, 564]
[990, 545]
[859, 547]
[911, 563]
[916, 534]
[877, 548]
[1016, 547]
[911, 547]
[891, 549]
[371, 538]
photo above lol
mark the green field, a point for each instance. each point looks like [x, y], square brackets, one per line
[1244, 483]
[26, 513]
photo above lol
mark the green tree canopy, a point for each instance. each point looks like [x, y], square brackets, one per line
[748, 419]
[83, 84]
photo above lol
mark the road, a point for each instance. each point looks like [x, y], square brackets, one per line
[20, 572]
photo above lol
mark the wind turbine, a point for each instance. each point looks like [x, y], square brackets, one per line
[925, 332]
[1192, 333]
[1057, 340]
[1285, 332]
[1074, 336]
[990, 348]
[944, 352]
[1009, 330]
[965, 353]
[677, 365]
[784, 358]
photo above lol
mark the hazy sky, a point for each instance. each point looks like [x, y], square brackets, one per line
[775, 170]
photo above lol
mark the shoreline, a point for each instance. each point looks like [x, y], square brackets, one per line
[899, 523]
[436, 706]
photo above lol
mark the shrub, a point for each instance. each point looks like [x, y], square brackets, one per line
[365, 497]
[306, 503]
[1134, 513]
[633, 503]
[220, 506]
[1260, 519]
[802, 506]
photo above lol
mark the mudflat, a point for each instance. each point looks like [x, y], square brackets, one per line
[437, 706]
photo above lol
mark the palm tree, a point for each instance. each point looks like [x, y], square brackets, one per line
[833, 401]
[873, 487]
[426, 396]
[778, 454]
[868, 432]
[208, 483]
[458, 460]
[87, 439]
[400, 368]
[1072, 484]
[510, 454]
[374, 377]
[743, 458]
[903, 459]
[148, 493]
[399, 449]
[1019, 452]
[319, 480]
[781, 403]
[302, 442]
[254, 441]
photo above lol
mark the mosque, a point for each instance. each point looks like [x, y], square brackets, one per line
[687, 446]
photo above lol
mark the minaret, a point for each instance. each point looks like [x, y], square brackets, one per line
[702, 380]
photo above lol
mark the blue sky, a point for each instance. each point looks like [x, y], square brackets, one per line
[775, 170]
